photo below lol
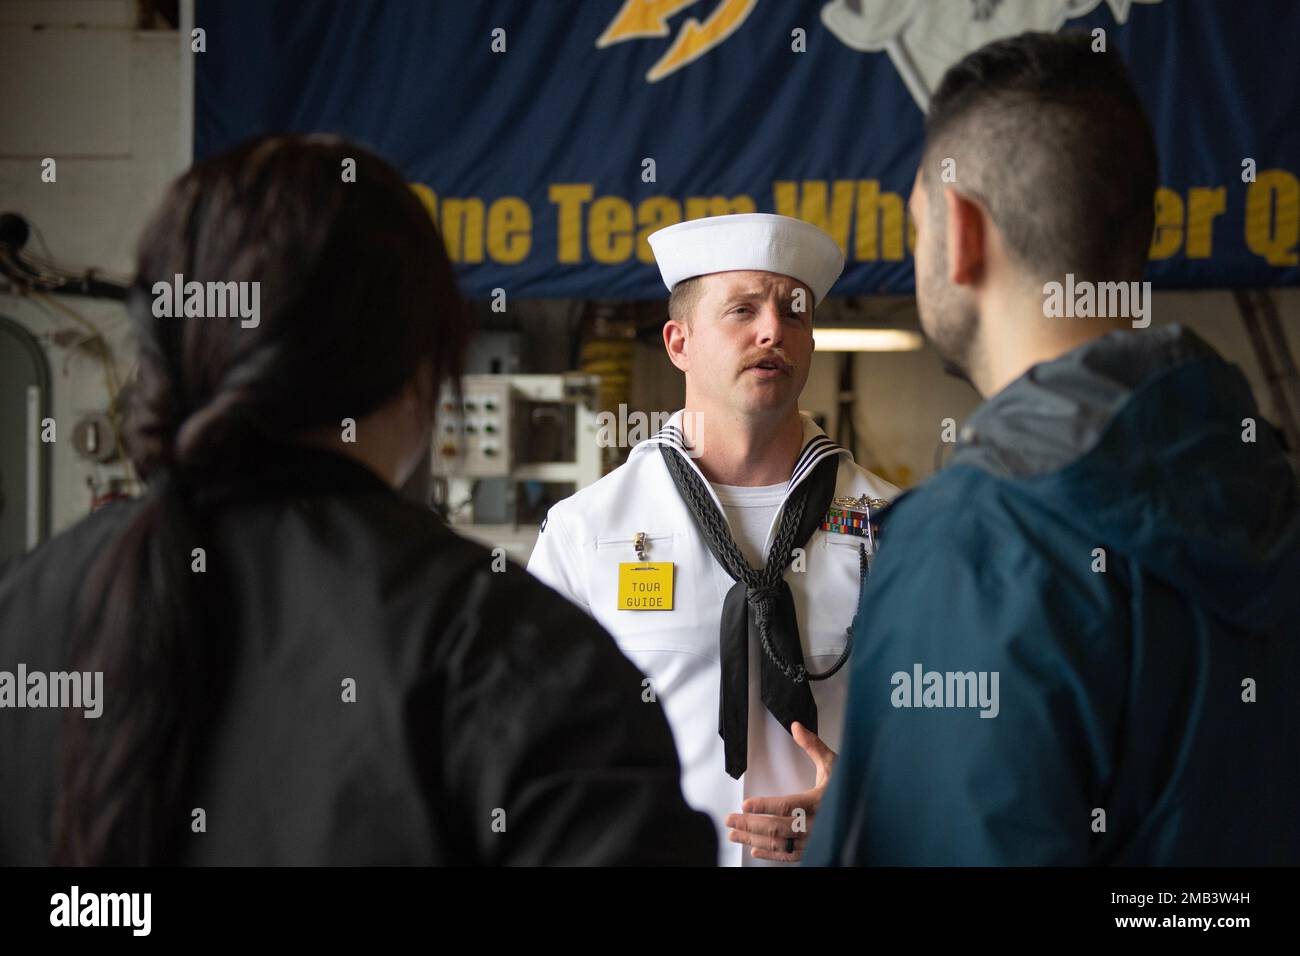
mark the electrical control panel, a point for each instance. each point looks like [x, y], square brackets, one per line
[474, 434]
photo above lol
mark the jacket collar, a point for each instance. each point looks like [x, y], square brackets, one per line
[291, 470]
[1058, 410]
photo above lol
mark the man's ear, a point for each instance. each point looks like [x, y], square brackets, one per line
[675, 338]
[967, 235]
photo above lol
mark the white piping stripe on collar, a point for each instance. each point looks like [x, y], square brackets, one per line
[669, 435]
[813, 454]
[818, 448]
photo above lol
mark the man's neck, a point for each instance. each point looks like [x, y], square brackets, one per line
[1010, 348]
[735, 450]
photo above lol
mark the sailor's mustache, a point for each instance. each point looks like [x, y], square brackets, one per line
[777, 356]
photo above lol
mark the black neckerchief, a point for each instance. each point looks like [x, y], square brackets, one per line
[760, 603]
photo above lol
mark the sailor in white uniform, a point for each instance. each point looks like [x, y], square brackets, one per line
[723, 555]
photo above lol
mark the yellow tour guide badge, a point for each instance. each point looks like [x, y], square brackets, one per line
[645, 585]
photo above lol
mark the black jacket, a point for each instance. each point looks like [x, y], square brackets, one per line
[494, 723]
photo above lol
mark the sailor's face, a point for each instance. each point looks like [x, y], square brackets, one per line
[753, 341]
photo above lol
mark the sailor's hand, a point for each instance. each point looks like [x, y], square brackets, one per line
[776, 828]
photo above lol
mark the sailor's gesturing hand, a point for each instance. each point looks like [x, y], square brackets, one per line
[776, 828]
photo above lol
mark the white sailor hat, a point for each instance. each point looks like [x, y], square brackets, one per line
[751, 240]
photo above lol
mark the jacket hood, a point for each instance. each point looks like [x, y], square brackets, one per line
[1140, 438]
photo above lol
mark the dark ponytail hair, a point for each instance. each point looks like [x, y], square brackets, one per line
[357, 300]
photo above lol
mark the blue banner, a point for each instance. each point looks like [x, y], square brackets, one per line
[549, 137]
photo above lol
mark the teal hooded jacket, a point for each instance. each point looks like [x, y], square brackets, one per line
[1080, 641]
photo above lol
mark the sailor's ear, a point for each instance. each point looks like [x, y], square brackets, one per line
[675, 339]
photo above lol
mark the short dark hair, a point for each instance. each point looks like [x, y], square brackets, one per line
[682, 300]
[1051, 137]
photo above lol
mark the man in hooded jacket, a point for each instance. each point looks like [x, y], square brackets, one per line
[1079, 642]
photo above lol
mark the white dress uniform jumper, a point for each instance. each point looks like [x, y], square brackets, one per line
[728, 649]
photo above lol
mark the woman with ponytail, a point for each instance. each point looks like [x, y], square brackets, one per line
[298, 665]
